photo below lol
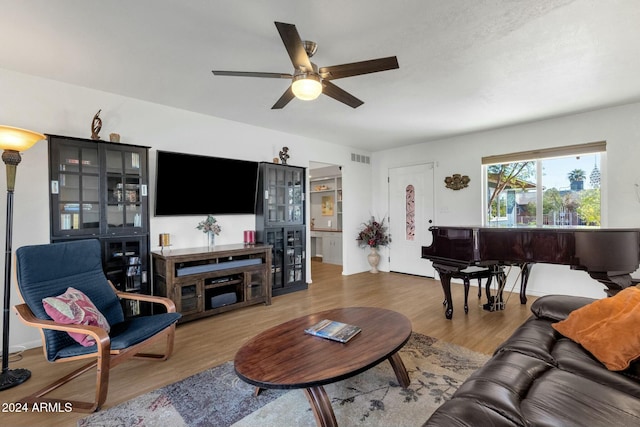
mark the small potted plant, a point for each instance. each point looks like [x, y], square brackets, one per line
[373, 233]
[211, 228]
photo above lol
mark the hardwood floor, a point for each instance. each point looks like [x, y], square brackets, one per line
[208, 342]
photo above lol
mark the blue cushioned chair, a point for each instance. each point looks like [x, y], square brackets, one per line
[47, 271]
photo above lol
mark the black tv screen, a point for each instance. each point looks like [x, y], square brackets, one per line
[189, 184]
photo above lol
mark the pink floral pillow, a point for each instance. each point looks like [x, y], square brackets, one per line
[75, 308]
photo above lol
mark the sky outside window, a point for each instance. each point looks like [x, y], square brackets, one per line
[555, 171]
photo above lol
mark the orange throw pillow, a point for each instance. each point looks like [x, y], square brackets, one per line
[608, 328]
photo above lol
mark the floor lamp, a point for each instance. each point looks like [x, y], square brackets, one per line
[12, 141]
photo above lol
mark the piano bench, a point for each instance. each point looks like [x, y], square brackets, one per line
[479, 273]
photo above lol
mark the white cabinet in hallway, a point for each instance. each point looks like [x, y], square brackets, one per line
[328, 245]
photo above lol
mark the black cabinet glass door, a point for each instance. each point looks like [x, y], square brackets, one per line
[125, 191]
[284, 197]
[295, 256]
[76, 189]
[275, 238]
[127, 269]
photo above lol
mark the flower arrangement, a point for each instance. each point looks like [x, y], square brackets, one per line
[209, 225]
[373, 234]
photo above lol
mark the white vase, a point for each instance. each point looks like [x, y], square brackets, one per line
[374, 259]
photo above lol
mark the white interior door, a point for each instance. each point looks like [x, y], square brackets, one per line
[410, 216]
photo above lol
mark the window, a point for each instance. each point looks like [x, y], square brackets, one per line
[559, 187]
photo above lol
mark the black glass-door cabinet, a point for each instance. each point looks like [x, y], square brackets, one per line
[98, 190]
[280, 222]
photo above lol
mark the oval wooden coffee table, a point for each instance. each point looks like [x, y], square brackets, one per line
[285, 357]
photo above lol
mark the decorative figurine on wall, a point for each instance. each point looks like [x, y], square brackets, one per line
[457, 181]
[96, 126]
[284, 155]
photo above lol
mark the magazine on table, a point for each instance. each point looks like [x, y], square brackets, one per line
[333, 330]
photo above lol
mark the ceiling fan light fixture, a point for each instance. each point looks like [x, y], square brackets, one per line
[306, 87]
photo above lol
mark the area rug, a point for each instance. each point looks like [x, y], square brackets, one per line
[217, 397]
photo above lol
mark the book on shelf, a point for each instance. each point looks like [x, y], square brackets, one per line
[333, 330]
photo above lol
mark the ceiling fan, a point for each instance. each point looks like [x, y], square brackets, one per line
[308, 81]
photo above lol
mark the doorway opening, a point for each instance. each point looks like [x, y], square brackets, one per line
[325, 213]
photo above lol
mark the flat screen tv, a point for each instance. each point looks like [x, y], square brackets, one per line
[189, 184]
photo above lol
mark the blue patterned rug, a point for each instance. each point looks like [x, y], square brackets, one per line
[216, 397]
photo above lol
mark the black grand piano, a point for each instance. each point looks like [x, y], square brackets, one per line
[608, 255]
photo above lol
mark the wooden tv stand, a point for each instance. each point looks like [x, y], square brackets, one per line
[203, 281]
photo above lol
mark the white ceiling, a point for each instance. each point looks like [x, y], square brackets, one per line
[465, 65]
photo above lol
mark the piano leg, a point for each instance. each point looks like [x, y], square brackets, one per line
[480, 286]
[614, 281]
[487, 287]
[445, 280]
[502, 281]
[496, 303]
[467, 285]
[525, 270]
[487, 291]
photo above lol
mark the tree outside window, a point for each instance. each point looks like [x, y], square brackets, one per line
[576, 179]
[504, 183]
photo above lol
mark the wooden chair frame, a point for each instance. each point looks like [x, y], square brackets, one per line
[104, 357]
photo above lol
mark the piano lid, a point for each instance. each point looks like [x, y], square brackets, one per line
[586, 248]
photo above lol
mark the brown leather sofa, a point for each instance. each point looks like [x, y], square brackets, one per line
[540, 378]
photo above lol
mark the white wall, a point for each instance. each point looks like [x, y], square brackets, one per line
[55, 108]
[619, 126]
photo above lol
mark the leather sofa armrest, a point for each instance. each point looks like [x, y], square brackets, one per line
[558, 307]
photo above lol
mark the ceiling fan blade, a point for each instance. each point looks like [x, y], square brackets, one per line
[252, 74]
[341, 95]
[357, 68]
[295, 48]
[284, 99]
